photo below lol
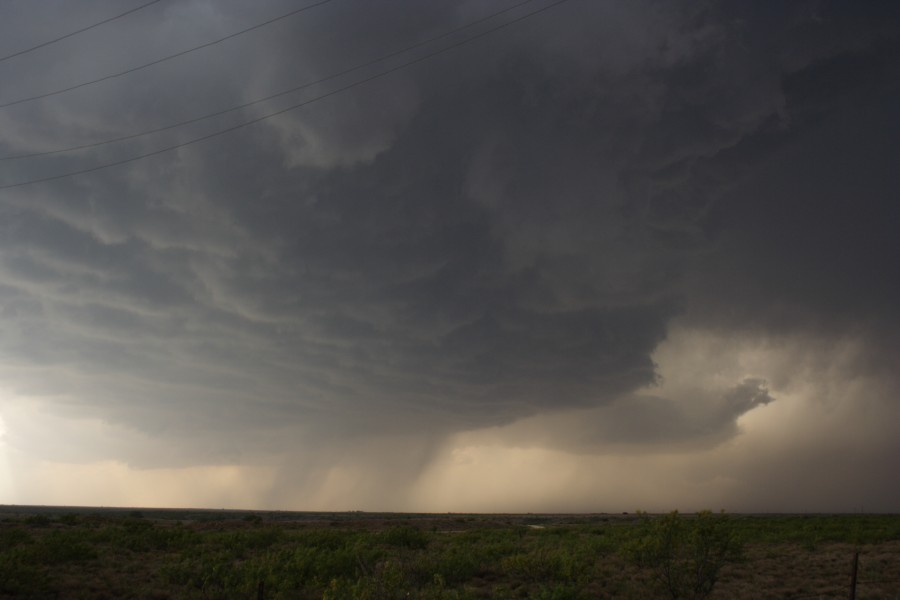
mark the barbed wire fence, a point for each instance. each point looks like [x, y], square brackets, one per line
[850, 589]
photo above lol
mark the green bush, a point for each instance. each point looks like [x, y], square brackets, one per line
[406, 537]
[59, 547]
[17, 576]
[386, 582]
[38, 520]
[451, 565]
[10, 538]
[69, 519]
[685, 555]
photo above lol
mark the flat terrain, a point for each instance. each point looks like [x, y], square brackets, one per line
[151, 553]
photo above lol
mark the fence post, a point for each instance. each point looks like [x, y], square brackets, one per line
[853, 576]
[261, 590]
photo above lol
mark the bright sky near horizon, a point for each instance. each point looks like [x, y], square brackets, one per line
[544, 256]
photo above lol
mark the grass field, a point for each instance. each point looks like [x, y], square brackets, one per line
[110, 553]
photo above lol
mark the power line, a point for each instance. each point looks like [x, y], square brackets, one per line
[163, 59]
[288, 109]
[272, 96]
[77, 31]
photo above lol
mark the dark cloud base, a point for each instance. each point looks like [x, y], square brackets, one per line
[505, 232]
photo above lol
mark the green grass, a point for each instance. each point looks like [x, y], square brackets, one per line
[128, 555]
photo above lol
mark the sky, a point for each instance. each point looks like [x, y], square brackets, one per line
[481, 256]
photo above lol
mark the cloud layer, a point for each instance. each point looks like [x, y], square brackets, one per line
[579, 244]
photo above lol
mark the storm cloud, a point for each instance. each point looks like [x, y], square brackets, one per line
[607, 240]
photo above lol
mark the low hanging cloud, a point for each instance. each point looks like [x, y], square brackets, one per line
[564, 240]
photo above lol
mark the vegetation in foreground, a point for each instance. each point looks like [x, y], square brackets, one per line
[353, 555]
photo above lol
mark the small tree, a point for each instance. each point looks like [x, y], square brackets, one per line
[685, 555]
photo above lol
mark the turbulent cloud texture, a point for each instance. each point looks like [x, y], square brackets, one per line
[649, 242]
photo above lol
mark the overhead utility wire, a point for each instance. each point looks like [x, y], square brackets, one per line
[76, 32]
[272, 96]
[289, 108]
[163, 59]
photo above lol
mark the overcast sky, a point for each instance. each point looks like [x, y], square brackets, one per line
[615, 255]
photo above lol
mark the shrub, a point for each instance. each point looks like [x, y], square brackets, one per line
[17, 577]
[685, 555]
[60, 547]
[69, 519]
[9, 538]
[406, 537]
[38, 520]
